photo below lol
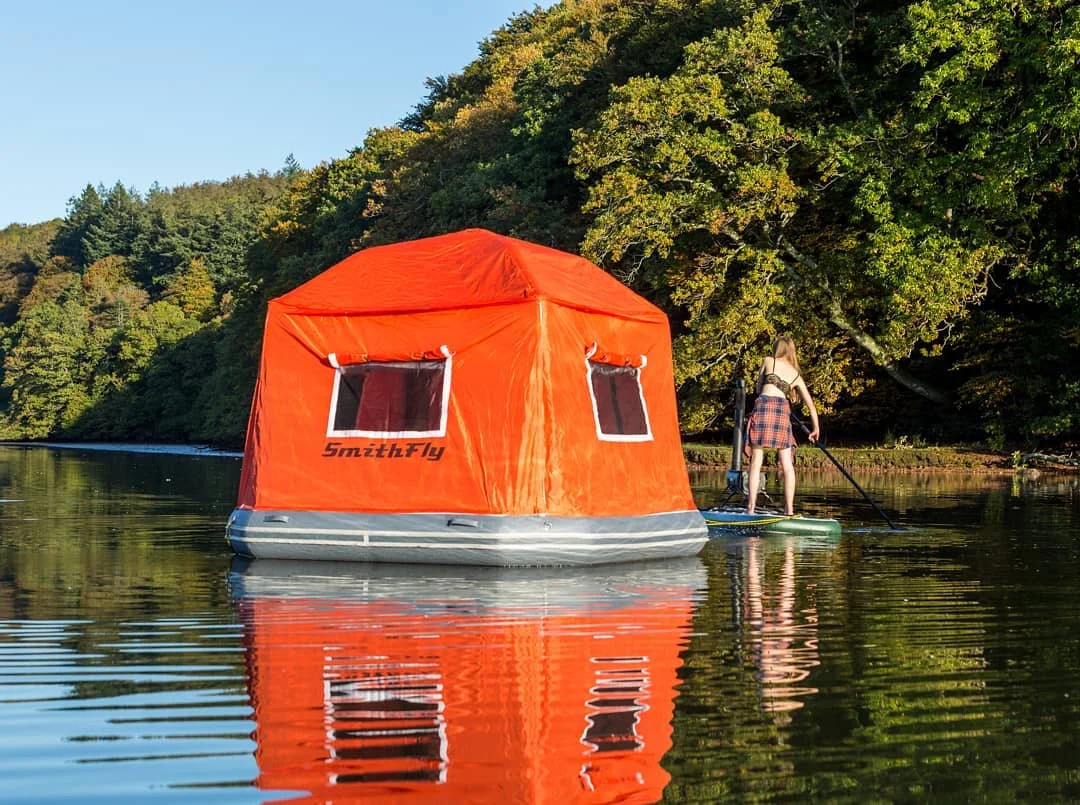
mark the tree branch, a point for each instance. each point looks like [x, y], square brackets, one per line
[859, 336]
[839, 319]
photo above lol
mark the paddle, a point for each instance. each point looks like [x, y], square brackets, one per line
[845, 473]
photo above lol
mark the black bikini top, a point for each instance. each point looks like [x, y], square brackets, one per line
[778, 381]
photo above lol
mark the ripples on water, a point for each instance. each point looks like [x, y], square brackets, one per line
[139, 662]
[91, 716]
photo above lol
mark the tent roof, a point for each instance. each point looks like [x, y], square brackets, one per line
[471, 268]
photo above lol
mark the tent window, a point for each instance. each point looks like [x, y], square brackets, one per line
[390, 399]
[618, 402]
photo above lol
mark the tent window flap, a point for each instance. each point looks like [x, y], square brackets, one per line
[390, 398]
[618, 402]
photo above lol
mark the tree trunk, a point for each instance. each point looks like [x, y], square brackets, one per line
[866, 341]
[859, 336]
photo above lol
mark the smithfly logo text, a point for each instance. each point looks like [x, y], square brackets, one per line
[418, 450]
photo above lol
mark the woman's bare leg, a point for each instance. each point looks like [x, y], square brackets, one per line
[788, 468]
[757, 456]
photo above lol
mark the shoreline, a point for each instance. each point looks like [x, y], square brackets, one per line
[718, 457]
[132, 447]
[892, 459]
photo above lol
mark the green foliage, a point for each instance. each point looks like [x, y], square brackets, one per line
[56, 281]
[193, 291]
[130, 281]
[755, 211]
[83, 212]
[115, 229]
[23, 251]
[893, 184]
[109, 294]
[43, 369]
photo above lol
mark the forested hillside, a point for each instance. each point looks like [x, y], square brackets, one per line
[893, 183]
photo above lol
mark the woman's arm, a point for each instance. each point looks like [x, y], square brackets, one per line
[815, 426]
[760, 378]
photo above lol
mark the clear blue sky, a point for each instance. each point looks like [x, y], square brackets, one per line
[100, 91]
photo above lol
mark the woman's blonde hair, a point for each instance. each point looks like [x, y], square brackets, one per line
[784, 349]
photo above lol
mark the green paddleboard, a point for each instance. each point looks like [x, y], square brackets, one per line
[773, 523]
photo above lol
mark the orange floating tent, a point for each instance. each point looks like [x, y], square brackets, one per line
[469, 398]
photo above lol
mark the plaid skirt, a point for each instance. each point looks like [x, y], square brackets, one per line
[769, 424]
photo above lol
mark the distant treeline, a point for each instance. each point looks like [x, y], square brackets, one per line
[895, 184]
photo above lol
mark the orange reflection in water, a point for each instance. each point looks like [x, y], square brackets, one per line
[471, 685]
[786, 643]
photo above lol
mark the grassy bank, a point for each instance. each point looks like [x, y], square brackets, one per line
[875, 458]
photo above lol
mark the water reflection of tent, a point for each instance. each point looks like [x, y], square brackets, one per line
[522, 685]
[468, 398]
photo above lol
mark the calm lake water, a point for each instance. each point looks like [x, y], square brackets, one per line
[140, 662]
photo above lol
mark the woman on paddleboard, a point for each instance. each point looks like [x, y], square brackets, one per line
[769, 424]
